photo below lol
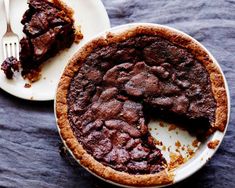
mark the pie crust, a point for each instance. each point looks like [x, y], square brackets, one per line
[70, 13]
[85, 159]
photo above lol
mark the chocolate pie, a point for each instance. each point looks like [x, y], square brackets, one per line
[48, 28]
[115, 85]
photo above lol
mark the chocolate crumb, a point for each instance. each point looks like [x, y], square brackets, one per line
[161, 124]
[177, 144]
[157, 142]
[195, 143]
[172, 127]
[169, 148]
[27, 85]
[213, 144]
[9, 66]
[190, 152]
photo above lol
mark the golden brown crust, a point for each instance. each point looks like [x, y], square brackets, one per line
[69, 13]
[70, 140]
[60, 4]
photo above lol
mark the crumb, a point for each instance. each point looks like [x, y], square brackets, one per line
[78, 34]
[157, 142]
[195, 143]
[183, 148]
[172, 127]
[177, 144]
[177, 150]
[169, 148]
[161, 124]
[31, 98]
[33, 75]
[44, 78]
[202, 159]
[175, 160]
[190, 153]
[62, 150]
[150, 129]
[27, 85]
[164, 148]
[177, 132]
[213, 144]
[9, 66]
[155, 128]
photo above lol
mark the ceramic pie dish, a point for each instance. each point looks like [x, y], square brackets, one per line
[117, 83]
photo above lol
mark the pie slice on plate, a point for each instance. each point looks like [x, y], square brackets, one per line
[48, 28]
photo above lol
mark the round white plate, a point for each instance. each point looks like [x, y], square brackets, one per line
[169, 138]
[92, 17]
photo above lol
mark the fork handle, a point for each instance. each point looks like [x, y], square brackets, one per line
[6, 5]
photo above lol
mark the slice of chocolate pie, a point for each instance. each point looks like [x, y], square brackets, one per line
[48, 28]
[115, 85]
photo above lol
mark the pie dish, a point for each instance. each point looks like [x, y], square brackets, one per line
[116, 83]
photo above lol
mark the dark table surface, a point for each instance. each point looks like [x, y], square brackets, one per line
[29, 141]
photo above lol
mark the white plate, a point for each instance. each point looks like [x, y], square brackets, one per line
[92, 17]
[169, 138]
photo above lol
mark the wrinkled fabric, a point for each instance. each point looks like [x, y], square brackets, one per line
[29, 141]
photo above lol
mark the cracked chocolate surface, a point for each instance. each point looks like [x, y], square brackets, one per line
[115, 92]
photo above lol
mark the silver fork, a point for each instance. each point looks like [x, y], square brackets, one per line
[10, 40]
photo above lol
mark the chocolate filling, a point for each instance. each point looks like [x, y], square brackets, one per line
[120, 87]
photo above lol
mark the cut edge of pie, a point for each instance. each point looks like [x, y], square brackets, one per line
[85, 159]
[70, 13]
